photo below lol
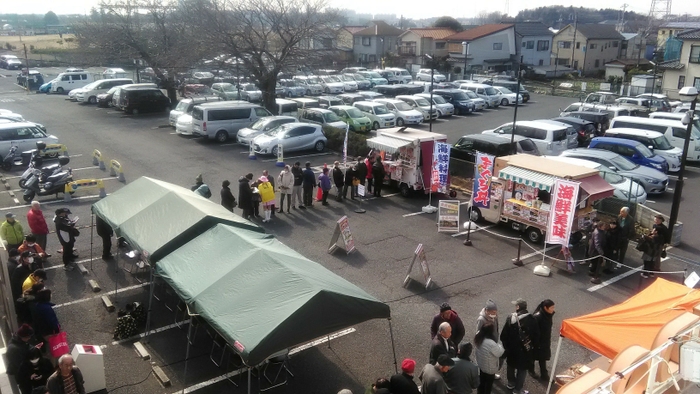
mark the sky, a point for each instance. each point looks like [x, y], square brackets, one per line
[414, 9]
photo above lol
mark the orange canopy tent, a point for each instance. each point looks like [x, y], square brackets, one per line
[633, 322]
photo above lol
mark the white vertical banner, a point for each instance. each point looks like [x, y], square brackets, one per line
[563, 210]
[345, 147]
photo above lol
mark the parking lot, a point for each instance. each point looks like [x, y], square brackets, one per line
[386, 236]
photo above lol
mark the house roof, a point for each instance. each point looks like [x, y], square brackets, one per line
[525, 29]
[629, 36]
[629, 62]
[353, 29]
[479, 31]
[689, 35]
[436, 33]
[681, 25]
[594, 31]
[379, 28]
[671, 65]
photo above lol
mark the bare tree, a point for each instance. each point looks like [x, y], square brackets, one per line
[266, 36]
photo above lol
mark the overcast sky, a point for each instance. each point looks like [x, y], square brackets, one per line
[408, 8]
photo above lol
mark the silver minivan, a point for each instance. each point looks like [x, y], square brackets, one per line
[551, 139]
[23, 135]
[222, 120]
[486, 92]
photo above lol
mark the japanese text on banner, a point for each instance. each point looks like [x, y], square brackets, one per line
[563, 210]
[482, 180]
[441, 166]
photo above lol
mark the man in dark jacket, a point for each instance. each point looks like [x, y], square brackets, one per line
[349, 176]
[105, 232]
[296, 188]
[361, 170]
[338, 180]
[66, 232]
[309, 181]
[463, 378]
[12, 262]
[228, 201]
[20, 274]
[612, 247]
[442, 344]
[520, 347]
[245, 195]
[448, 315]
[597, 249]
[402, 383]
[18, 348]
[626, 225]
[378, 174]
[67, 379]
[432, 375]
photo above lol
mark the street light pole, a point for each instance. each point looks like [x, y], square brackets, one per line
[432, 82]
[466, 53]
[688, 93]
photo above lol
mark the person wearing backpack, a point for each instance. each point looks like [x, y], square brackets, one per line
[519, 336]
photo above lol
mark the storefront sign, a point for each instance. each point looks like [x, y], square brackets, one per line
[448, 216]
[563, 209]
[419, 255]
[441, 166]
[342, 232]
[481, 194]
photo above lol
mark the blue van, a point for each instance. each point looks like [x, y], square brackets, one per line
[633, 150]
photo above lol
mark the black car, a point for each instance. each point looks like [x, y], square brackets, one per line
[585, 129]
[462, 103]
[144, 100]
[463, 152]
[104, 100]
[600, 119]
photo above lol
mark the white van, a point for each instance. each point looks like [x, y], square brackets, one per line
[284, 107]
[654, 140]
[65, 82]
[486, 92]
[550, 139]
[114, 73]
[88, 93]
[402, 74]
[674, 130]
[222, 120]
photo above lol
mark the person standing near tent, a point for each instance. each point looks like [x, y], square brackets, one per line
[596, 250]
[286, 185]
[361, 172]
[519, 337]
[368, 162]
[37, 225]
[488, 354]
[267, 197]
[402, 383]
[105, 232]
[245, 195]
[338, 180]
[378, 174]
[657, 238]
[348, 183]
[543, 348]
[296, 189]
[309, 181]
[432, 375]
[271, 179]
[228, 201]
[66, 232]
[448, 315]
[627, 232]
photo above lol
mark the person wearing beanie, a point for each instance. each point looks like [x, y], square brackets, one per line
[324, 182]
[267, 196]
[198, 181]
[18, 348]
[489, 314]
[228, 201]
[463, 378]
[448, 315]
[245, 195]
[403, 383]
[520, 336]
[442, 343]
[308, 183]
[488, 354]
[432, 375]
[361, 170]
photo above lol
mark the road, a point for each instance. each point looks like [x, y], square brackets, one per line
[386, 236]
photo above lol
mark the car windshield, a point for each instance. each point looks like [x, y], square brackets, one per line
[644, 151]
[661, 143]
[331, 78]
[91, 85]
[227, 87]
[182, 106]
[313, 80]
[491, 91]
[611, 177]
[505, 90]
[403, 106]
[114, 89]
[470, 94]
[280, 129]
[347, 78]
[438, 99]
[260, 124]
[623, 164]
[422, 102]
[380, 110]
[404, 72]
[358, 77]
[331, 117]
[355, 113]
[375, 75]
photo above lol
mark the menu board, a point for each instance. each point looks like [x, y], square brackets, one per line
[448, 216]
[523, 213]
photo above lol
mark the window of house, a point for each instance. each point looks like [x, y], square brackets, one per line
[615, 44]
[440, 45]
[366, 41]
[597, 63]
[541, 62]
[497, 46]
[542, 45]
[592, 46]
[357, 40]
[681, 81]
[696, 83]
[530, 44]
[694, 54]
[663, 32]
[372, 58]
[565, 44]
[578, 45]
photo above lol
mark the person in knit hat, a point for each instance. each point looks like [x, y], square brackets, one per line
[448, 315]
[489, 314]
[403, 383]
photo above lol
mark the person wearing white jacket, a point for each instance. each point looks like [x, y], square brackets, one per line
[488, 353]
[286, 183]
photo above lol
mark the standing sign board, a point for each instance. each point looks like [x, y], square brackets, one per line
[343, 234]
[562, 213]
[419, 255]
[361, 190]
[448, 216]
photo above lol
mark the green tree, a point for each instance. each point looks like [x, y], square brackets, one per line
[448, 22]
[51, 19]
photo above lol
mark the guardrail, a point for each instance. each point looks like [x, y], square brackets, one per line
[84, 184]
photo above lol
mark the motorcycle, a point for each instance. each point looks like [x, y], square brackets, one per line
[54, 184]
[35, 162]
[11, 159]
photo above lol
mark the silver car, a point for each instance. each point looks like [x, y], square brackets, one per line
[246, 135]
[571, 134]
[292, 137]
[653, 181]
[251, 93]
[443, 107]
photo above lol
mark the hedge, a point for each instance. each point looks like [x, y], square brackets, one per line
[357, 143]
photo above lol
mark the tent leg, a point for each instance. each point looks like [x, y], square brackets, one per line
[393, 347]
[187, 357]
[116, 276]
[92, 230]
[249, 372]
[150, 306]
[553, 374]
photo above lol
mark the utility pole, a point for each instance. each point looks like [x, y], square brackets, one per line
[26, 61]
[573, 43]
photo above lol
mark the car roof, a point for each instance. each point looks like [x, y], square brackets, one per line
[656, 121]
[277, 117]
[667, 115]
[618, 141]
[342, 106]
[591, 152]
[571, 119]
[447, 91]
[576, 161]
[369, 103]
[12, 125]
[632, 131]
[350, 95]
[234, 103]
[487, 137]
[284, 101]
[320, 110]
[388, 100]
[539, 124]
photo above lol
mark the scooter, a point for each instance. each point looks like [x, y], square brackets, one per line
[53, 184]
[11, 159]
[46, 171]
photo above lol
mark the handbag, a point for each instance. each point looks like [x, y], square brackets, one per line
[524, 336]
[58, 344]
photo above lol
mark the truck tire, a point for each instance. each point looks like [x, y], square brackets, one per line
[534, 234]
[474, 214]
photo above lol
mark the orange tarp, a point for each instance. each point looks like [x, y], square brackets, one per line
[633, 322]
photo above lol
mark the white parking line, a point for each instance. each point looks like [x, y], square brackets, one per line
[103, 294]
[413, 214]
[473, 231]
[155, 331]
[614, 279]
[59, 201]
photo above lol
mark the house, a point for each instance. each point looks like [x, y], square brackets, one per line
[670, 29]
[633, 46]
[533, 41]
[372, 43]
[587, 47]
[620, 67]
[345, 35]
[489, 47]
[416, 42]
[686, 70]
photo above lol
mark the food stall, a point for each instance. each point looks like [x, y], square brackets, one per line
[407, 156]
[520, 188]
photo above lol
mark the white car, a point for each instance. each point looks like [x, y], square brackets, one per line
[405, 114]
[377, 113]
[402, 74]
[292, 137]
[349, 83]
[246, 135]
[72, 94]
[183, 125]
[508, 96]
[443, 107]
[251, 93]
[331, 84]
[424, 75]
[312, 88]
[421, 104]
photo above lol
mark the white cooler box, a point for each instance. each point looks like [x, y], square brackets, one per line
[90, 360]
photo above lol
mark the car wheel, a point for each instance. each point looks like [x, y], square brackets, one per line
[399, 122]
[221, 136]
[405, 190]
[289, 94]
[504, 102]
[92, 100]
[328, 91]
[275, 150]
[534, 235]
[28, 197]
[440, 114]
[375, 126]
[60, 90]
[248, 98]
[474, 214]
[320, 146]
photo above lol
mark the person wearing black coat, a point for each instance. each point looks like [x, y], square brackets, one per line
[403, 383]
[20, 274]
[378, 174]
[349, 177]
[519, 357]
[338, 180]
[361, 170]
[658, 238]
[12, 262]
[18, 348]
[34, 372]
[612, 246]
[296, 188]
[66, 232]
[245, 195]
[105, 232]
[309, 182]
[228, 201]
[543, 351]
[442, 343]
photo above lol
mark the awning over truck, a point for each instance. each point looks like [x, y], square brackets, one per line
[596, 187]
[387, 144]
[528, 177]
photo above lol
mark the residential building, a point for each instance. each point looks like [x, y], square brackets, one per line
[371, 43]
[587, 47]
[686, 70]
[533, 41]
[633, 46]
[670, 29]
[416, 42]
[345, 35]
[489, 47]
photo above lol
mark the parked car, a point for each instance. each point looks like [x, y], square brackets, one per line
[443, 107]
[195, 89]
[88, 93]
[10, 62]
[246, 135]
[136, 101]
[203, 78]
[674, 130]
[251, 93]
[104, 100]
[118, 98]
[306, 102]
[221, 121]
[329, 101]
[635, 151]
[424, 75]
[467, 146]
[653, 181]
[377, 113]
[390, 76]
[599, 119]
[507, 96]
[405, 114]
[459, 99]
[585, 130]
[655, 141]
[513, 87]
[332, 84]
[292, 137]
[349, 98]
[69, 80]
[374, 78]
[571, 134]
[46, 88]
[352, 70]
[422, 105]
[322, 116]
[24, 135]
[370, 95]
[184, 124]
[550, 139]
[290, 88]
[486, 92]
[225, 90]
[357, 121]
[362, 82]
[657, 101]
[186, 105]
[401, 73]
[312, 87]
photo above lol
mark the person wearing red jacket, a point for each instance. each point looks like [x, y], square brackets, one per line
[38, 226]
[369, 161]
[448, 315]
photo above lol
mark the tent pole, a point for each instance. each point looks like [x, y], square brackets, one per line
[150, 305]
[249, 380]
[393, 348]
[92, 229]
[187, 355]
[554, 366]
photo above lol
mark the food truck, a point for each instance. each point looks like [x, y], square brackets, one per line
[520, 188]
[408, 157]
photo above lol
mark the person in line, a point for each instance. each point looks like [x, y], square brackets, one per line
[37, 225]
[20, 274]
[378, 174]
[543, 350]
[309, 182]
[286, 183]
[201, 188]
[267, 195]
[43, 316]
[25, 304]
[38, 276]
[448, 315]
[442, 344]
[271, 179]
[612, 247]
[338, 180]
[198, 181]
[488, 354]
[432, 375]
[361, 172]
[257, 199]
[520, 347]
[245, 196]
[228, 201]
[403, 383]
[18, 348]
[463, 378]
[489, 314]
[66, 232]
[626, 225]
[369, 160]
[657, 239]
[34, 372]
[298, 174]
[597, 249]
[348, 183]
[12, 262]
[30, 245]
[11, 231]
[381, 386]
[67, 379]
[324, 182]
[104, 231]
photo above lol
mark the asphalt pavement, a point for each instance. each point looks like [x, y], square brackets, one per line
[385, 236]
